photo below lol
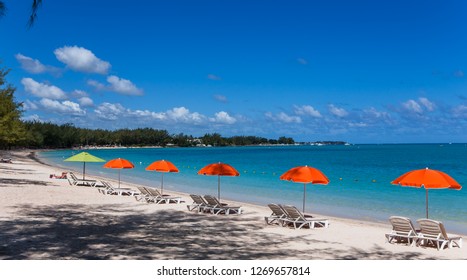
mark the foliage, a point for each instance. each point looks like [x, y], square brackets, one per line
[12, 131]
[48, 135]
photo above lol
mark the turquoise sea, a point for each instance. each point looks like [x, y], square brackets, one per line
[360, 177]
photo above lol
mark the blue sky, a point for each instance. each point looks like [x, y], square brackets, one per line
[357, 71]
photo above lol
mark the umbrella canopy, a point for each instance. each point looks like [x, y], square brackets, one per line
[119, 163]
[306, 175]
[219, 169]
[84, 157]
[164, 167]
[428, 179]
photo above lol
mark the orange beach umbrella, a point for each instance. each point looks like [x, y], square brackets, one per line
[164, 167]
[219, 169]
[306, 175]
[428, 179]
[119, 163]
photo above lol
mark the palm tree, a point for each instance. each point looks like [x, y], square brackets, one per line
[32, 17]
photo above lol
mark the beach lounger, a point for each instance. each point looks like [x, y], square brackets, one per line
[402, 231]
[109, 189]
[299, 220]
[278, 215]
[143, 195]
[73, 180]
[159, 198]
[433, 233]
[217, 207]
[198, 204]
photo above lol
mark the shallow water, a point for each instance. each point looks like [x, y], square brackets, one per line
[360, 177]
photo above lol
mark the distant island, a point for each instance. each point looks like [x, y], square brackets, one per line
[325, 143]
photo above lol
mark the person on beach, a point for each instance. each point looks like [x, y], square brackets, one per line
[63, 176]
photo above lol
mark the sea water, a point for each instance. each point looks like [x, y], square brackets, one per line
[359, 187]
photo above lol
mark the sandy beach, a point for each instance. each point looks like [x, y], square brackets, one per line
[46, 218]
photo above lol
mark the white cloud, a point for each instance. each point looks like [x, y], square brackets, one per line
[96, 84]
[123, 86]
[223, 117]
[302, 61]
[307, 110]
[373, 113]
[30, 65]
[81, 60]
[148, 114]
[29, 105]
[412, 106]
[283, 117]
[357, 124]
[42, 90]
[33, 118]
[336, 111]
[109, 111]
[79, 93]
[86, 101]
[65, 107]
[213, 77]
[460, 111]
[182, 114]
[118, 85]
[220, 98]
[430, 106]
[459, 74]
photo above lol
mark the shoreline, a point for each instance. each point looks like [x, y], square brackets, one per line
[344, 207]
[84, 219]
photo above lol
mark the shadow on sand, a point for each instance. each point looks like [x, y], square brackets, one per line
[75, 231]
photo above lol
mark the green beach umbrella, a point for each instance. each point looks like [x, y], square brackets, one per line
[84, 157]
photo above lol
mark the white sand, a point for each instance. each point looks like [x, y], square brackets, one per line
[44, 218]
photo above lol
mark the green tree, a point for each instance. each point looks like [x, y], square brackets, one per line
[12, 131]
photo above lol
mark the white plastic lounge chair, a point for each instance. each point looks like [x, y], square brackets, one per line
[109, 189]
[278, 215]
[159, 198]
[73, 180]
[143, 195]
[433, 233]
[217, 207]
[198, 204]
[402, 231]
[299, 220]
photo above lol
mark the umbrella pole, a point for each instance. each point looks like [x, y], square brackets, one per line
[162, 183]
[119, 178]
[84, 169]
[304, 196]
[219, 187]
[426, 202]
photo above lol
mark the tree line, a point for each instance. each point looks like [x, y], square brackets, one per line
[49, 135]
[33, 134]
